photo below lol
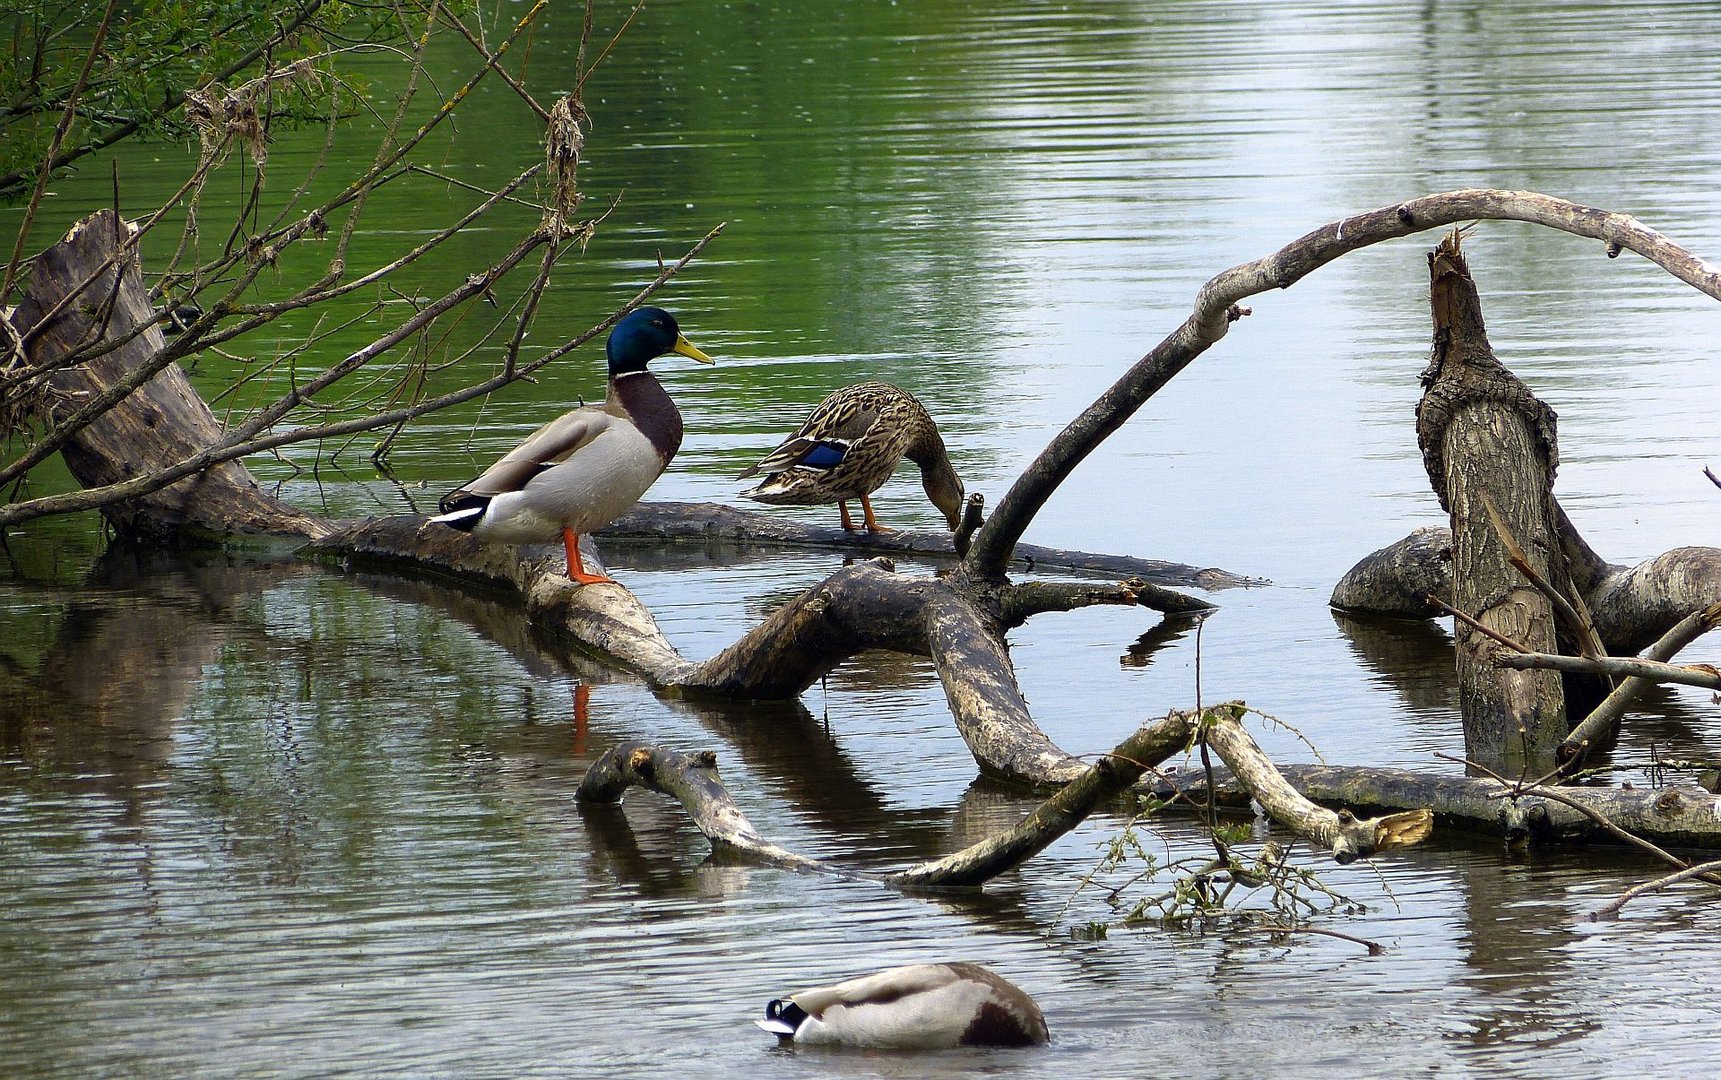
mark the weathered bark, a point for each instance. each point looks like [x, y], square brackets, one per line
[984, 698]
[1488, 445]
[692, 780]
[1686, 816]
[86, 290]
[1398, 579]
[715, 523]
[1601, 727]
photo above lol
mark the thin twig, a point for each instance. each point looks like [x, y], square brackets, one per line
[1374, 948]
[1704, 871]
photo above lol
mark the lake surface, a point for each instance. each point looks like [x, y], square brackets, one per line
[280, 820]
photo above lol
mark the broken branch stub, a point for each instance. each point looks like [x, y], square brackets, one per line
[1339, 831]
[88, 291]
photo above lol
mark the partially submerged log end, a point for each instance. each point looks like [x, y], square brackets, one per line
[1398, 579]
[1341, 832]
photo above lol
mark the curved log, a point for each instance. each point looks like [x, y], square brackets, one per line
[1398, 579]
[1632, 606]
[981, 690]
[1216, 308]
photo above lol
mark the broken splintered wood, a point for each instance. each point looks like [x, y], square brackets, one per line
[1339, 831]
[87, 292]
[1490, 451]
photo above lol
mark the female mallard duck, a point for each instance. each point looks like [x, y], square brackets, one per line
[921, 1007]
[586, 468]
[848, 448]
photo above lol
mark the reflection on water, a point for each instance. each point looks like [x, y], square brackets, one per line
[261, 819]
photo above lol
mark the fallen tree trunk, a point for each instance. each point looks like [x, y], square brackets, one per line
[693, 781]
[960, 618]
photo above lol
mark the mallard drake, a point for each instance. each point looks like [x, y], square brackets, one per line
[920, 1007]
[848, 448]
[585, 468]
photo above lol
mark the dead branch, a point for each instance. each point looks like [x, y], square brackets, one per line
[1340, 832]
[1601, 726]
[1704, 675]
[1215, 310]
[1701, 870]
[693, 781]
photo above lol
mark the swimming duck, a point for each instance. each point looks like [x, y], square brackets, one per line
[585, 468]
[847, 449]
[920, 1007]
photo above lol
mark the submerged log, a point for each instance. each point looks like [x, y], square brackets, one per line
[1398, 579]
[716, 523]
[692, 780]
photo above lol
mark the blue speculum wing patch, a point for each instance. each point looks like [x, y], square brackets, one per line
[824, 456]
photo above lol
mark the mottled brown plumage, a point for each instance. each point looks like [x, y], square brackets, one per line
[849, 446]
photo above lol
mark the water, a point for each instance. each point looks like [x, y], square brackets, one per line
[281, 820]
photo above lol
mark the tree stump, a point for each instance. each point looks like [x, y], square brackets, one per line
[1489, 447]
[87, 291]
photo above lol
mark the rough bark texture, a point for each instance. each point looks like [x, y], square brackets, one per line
[1487, 442]
[1678, 815]
[732, 530]
[1398, 579]
[88, 289]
